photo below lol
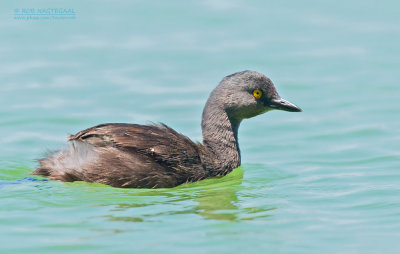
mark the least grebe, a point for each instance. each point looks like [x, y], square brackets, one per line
[156, 156]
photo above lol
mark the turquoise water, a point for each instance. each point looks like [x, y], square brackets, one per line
[323, 181]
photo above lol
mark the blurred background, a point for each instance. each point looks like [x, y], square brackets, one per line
[325, 179]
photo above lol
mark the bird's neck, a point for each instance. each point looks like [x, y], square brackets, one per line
[220, 137]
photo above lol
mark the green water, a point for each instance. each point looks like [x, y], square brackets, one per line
[323, 181]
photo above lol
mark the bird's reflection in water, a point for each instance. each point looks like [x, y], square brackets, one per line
[217, 201]
[212, 199]
[218, 204]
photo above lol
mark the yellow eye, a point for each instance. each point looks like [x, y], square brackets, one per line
[257, 93]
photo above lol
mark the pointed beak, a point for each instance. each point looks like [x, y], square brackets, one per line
[282, 104]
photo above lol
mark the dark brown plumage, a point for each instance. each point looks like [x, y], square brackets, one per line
[156, 156]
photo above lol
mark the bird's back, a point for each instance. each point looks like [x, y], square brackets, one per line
[127, 155]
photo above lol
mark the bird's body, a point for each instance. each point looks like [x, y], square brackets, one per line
[129, 155]
[156, 156]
